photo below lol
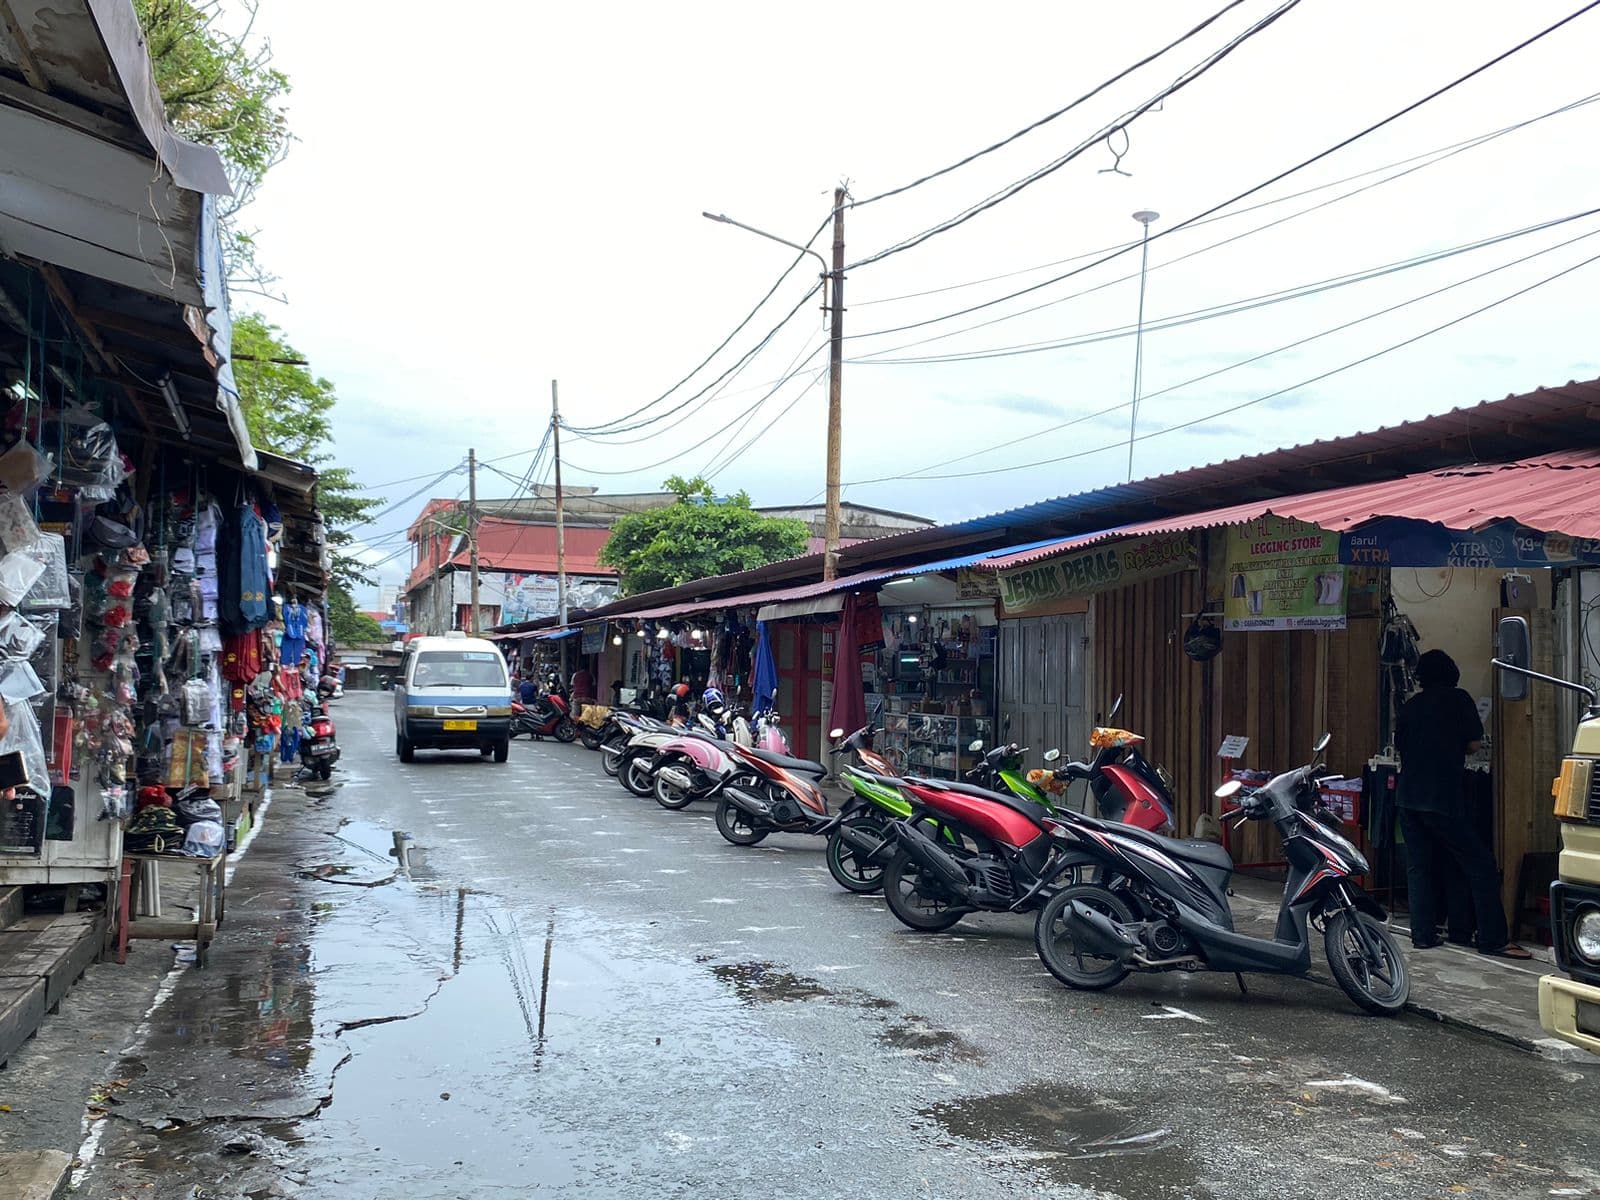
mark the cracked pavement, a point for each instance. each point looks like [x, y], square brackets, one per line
[577, 992]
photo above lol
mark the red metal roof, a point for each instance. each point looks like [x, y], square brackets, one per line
[531, 549]
[1556, 493]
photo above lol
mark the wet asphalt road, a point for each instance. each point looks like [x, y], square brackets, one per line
[581, 993]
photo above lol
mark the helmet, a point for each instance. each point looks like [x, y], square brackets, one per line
[1202, 642]
[712, 698]
[680, 691]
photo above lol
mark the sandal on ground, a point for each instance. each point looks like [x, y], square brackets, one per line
[1433, 945]
[1510, 950]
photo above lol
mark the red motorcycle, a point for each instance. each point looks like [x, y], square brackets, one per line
[1126, 786]
[547, 717]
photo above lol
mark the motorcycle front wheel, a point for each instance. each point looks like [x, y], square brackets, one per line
[592, 738]
[636, 777]
[566, 731]
[1059, 949]
[1353, 942]
[916, 898]
[853, 869]
[611, 759]
[734, 824]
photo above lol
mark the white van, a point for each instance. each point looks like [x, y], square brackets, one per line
[452, 693]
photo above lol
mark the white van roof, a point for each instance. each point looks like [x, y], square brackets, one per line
[454, 640]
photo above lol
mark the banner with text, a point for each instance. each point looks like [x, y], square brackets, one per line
[1039, 585]
[1401, 542]
[1283, 575]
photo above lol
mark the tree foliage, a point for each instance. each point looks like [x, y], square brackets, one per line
[351, 626]
[699, 536]
[289, 411]
[221, 90]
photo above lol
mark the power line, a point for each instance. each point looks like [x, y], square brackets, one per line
[1266, 183]
[403, 500]
[762, 432]
[1060, 112]
[1232, 307]
[373, 487]
[691, 449]
[1413, 163]
[737, 329]
[1120, 124]
[1122, 442]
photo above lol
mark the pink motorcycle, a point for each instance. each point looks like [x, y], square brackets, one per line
[695, 766]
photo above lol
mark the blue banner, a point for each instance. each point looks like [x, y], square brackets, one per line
[1399, 542]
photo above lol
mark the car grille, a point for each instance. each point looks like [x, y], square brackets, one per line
[462, 710]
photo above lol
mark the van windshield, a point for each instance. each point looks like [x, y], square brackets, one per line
[459, 668]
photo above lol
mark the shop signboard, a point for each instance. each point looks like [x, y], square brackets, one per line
[976, 585]
[1038, 586]
[1401, 542]
[1283, 574]
[594, 638]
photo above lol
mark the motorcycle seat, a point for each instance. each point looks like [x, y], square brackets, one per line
[1027, 808]
[1206, 854]
[805, 766]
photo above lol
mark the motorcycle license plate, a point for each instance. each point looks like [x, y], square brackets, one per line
[460, 726]
[322, 750]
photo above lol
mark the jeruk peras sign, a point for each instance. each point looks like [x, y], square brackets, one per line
[1040, 585]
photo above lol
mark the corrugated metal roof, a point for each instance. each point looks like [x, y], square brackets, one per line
[1555, 493]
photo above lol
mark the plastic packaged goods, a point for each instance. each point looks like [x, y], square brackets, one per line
[17, 528]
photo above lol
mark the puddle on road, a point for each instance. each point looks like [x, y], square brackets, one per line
[768, 983]
[922, 1039]
[1077, 1137]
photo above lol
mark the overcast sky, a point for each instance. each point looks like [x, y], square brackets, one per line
[485, 198]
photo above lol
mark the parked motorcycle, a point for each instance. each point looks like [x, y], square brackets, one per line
[627, 726]
[1125, 785]
[697, 766]
[1171, 911]
[633, 760]
[546, 717]
[784, 796]
[319, 747]
[964, 849]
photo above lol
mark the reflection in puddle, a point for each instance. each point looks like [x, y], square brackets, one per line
[1077, 1136]
[917, 1036]
[768, 983]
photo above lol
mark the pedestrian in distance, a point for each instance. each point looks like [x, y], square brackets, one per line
[527, 690]
[1436, 730]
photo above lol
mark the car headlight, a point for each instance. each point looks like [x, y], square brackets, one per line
[1586, 934]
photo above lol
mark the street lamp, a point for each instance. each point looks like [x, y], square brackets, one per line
[835, 276]
[1145, 217]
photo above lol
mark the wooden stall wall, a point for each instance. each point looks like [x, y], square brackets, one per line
[1138, 654]
[1527, 746]
[1279, 689]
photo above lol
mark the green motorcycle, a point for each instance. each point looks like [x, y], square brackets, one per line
[859, 848]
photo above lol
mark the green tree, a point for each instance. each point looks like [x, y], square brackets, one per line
[351, 626]
[699, 536]
[221, 90]
[289, 411]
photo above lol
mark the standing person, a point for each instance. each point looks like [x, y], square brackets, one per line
[582, 685]
[1436, 730]
[527, 690]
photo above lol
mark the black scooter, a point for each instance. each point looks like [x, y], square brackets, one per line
[1169, 908]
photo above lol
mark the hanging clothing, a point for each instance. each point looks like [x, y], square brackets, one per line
[765, 684]
[849, 698]
[241, 657]
[295, 621]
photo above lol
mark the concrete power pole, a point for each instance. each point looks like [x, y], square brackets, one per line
[561, 520]
[830, 533]
[472, 536]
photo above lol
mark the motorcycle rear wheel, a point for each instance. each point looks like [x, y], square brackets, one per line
[636, 777]
[927, 911]
[734, 824]
[1058, 950]
[1382, 992]
[566, 731]
[610, 759]
[852, 869]
[592, 740]
[669, 795]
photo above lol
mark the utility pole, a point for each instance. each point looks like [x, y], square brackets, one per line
[1144, 216]
[472, 535]
[561, 525]
[830, 528]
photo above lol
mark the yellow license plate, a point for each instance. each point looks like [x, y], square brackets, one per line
[460, 726]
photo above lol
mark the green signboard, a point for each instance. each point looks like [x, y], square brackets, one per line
[1116, 564]
[1283, 575]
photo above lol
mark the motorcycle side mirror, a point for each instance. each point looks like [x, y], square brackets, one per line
[977, 746]
[1116, 707]
[1051, 755]
[1228, 790]
[835, 734]
[1322, 743]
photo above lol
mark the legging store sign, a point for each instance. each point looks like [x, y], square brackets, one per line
[1283, 575]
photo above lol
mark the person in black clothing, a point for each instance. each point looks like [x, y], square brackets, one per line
[1436, 730]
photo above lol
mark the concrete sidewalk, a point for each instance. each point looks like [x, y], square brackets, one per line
[1452, 984]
